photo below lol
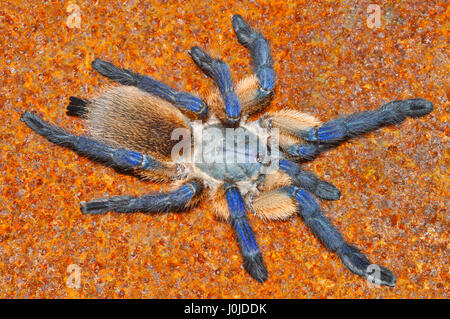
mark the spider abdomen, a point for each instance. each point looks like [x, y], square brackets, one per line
[127, 117]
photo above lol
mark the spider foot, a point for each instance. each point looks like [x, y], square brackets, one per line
[104, 205]
[359, 264]
[254, 265]
[243, 31]
[414, 107]
[35, 122]
[327, 191]
[310, 182]
[52, 133]
[109, 70]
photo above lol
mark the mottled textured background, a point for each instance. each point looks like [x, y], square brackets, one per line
[328, 61]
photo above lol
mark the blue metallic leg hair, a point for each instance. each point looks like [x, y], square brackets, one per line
[251, 254]
[340, 129]
[182, 100]
[309, 181]
[119, 158]
[260, 53]
[220, 73]
[305, 152]
[352, 258]
[175, 200]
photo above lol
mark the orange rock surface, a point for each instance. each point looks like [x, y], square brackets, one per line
[328, 61]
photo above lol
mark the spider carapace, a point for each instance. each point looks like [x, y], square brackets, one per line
[131, 128]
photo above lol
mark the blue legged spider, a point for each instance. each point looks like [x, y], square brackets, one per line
[130, 128]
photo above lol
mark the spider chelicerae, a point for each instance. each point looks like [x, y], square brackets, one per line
[132, 126]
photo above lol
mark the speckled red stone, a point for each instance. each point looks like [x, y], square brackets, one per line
[394, 182]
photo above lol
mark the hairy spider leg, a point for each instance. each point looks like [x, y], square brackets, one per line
[324, 137]
[340, 129]
[273, 181]
[274, 205]
[309, 181]
[117, 157]
[246, 91]
[260, 53]
[352, 258]
[160, 202]
[182, 100]
[219, 72]
[304, 151]
[251, 254]
[290, 122]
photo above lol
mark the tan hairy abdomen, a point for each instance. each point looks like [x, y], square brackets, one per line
[127, 117]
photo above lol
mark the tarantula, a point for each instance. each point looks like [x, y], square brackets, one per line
[131, 128]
